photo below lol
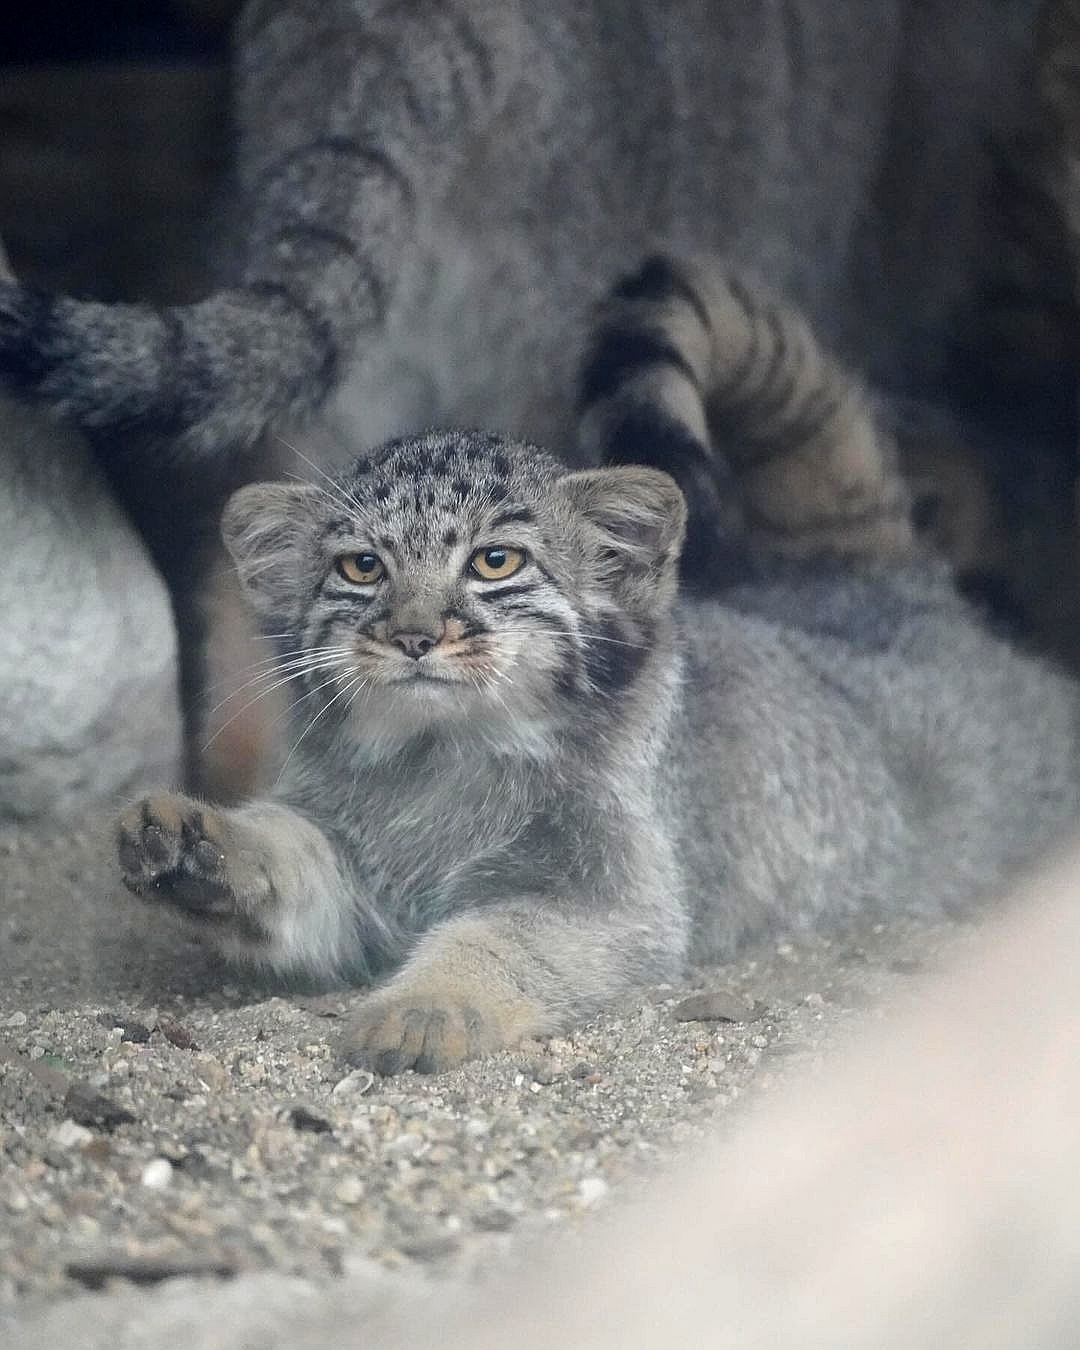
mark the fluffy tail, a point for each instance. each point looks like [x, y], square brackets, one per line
[694, 372]
[208, 376]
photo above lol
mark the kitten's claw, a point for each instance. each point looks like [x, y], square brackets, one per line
[392, 1033]
[172, 849]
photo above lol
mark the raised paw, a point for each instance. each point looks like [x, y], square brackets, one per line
[395, 1032]
[174, 849]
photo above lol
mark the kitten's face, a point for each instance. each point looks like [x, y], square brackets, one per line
[459, 578]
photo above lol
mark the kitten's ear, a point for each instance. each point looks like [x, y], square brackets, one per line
[268, 529]
[640, 512]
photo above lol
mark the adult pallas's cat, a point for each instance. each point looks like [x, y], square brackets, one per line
[431, 195]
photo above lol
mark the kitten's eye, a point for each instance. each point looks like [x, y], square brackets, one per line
[492, 564]
[361, 569]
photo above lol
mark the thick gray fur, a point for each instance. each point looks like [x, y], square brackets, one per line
[432, 194]
[614, 780]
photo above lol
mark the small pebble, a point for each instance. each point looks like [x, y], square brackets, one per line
[592, 1189]
[354, 1084]
[176, 1034]
[350, 1191]
[87, 1106]
[130, 1029]
[157, 1174]
[70, 1134]
[304, 1118]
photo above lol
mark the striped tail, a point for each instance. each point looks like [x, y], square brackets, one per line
[773, 442]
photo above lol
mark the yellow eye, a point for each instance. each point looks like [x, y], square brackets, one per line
[362, 569]
[492, 564]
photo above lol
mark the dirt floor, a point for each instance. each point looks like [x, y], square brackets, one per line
[162, 1120]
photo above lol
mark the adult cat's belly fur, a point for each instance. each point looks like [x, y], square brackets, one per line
[798, 176]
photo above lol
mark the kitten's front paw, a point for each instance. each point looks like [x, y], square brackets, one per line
[173, 849]
[394, 1032]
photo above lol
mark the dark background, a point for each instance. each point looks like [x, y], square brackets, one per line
[67, 30]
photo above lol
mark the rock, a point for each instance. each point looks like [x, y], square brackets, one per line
[69, 1134]
[350, 1191]
[146, 1270]
[494, 1221]
[88, 705]
[85, 1105]
[592, 1190]
[304, 1118]
[130, 1030]
[716, 1006]
[176, 1034]
[157, 1174]
[354, 1084]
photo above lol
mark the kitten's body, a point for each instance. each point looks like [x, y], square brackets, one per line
[575, 784]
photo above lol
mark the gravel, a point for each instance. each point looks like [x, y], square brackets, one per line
[161, 1118]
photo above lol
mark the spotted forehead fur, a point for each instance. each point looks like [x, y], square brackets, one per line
[419, 485]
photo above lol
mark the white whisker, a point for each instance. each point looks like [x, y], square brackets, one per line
[262, 694]
[325, 709]
[340, 495]
[288, 670]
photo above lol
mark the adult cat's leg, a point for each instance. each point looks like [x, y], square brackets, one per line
[259, 882]
[179, 520]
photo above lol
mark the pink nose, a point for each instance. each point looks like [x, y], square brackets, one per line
[415, 645]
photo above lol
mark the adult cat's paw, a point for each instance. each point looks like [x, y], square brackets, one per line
[403, 1030]
[173, 849]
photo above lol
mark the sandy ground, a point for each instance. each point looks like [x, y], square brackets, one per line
[161, 1119]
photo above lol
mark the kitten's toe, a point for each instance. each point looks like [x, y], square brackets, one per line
[391, 1035]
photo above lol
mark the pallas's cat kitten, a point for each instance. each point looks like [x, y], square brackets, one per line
[524, 777]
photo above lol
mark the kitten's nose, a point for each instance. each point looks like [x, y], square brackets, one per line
[415, 645]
